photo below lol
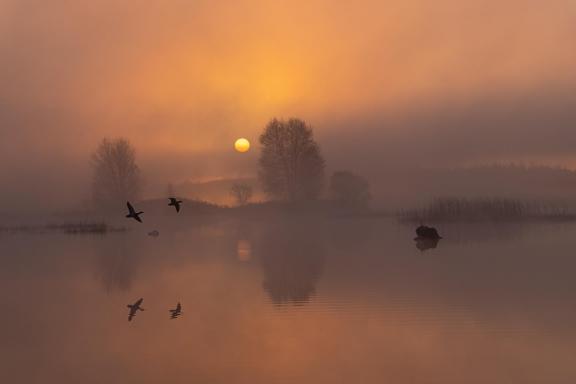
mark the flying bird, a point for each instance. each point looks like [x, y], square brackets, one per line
[132, 212]
[176, 312]
[175, 203]
[134, 308]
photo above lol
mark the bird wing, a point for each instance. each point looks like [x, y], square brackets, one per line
[172, 200]
[178, 307]
[138, 218]
[139, 302]
[177, 207]
[130, 207]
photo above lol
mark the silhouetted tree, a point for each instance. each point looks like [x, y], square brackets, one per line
[291, 165]
[349, 189]
[116, 176]
[242, 193]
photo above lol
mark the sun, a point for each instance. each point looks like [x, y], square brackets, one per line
[242, 145]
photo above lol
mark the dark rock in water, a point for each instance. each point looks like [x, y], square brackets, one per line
[427, 238]
[424, 244]
[424, 232]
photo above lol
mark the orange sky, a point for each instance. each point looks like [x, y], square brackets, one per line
[182, 79]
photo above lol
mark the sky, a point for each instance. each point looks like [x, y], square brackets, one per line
[384, 84]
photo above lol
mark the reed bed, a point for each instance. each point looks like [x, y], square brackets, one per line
[486, 209]
[72, 228]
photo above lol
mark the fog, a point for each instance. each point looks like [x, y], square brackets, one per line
[392, 89]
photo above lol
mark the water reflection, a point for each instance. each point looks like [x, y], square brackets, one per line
[244, 250]
[485, 232]
[117, 262]
[425, 244]
[134, 308]
[500, 309]
[292, 259]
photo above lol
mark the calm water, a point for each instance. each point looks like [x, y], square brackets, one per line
[290, 301]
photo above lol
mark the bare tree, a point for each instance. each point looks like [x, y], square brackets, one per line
[291, 165]
[350, 190]
[116, 177]
[242, 192]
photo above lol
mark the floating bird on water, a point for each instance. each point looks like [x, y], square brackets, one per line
[176, 312]
[132, 212]
[154, 233]
[175, 203]
[134, 308]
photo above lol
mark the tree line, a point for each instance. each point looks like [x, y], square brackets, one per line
[291, 168]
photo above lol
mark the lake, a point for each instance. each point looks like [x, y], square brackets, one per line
[293, 300]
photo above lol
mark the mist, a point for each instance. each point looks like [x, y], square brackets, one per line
[392, 89]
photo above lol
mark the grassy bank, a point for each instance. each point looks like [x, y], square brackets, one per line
[72, 228]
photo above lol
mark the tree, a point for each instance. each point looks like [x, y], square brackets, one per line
[242, 192]
[291, 165]
[116, 177]
[350, 190]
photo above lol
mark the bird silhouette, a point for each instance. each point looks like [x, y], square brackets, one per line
[174, 313]
[175, 203]
[134, 308]
[132, 212]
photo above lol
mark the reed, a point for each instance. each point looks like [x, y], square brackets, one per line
[68, 228]
[486, 209]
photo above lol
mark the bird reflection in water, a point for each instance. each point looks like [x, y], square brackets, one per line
[174, 313]
[134, 308]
